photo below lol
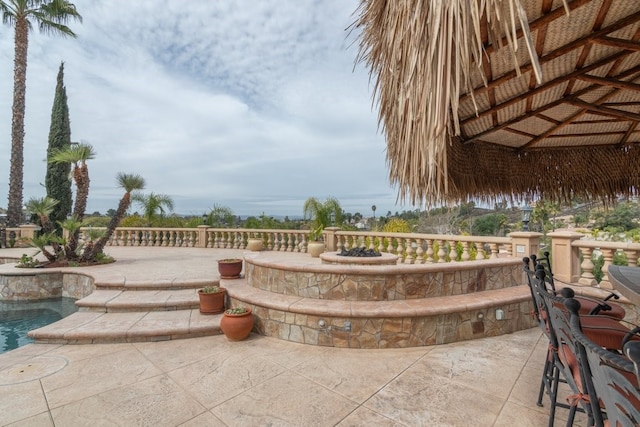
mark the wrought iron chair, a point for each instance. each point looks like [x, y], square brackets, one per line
[548, 382]
[613, 378]
[561, 363]
[587, 305]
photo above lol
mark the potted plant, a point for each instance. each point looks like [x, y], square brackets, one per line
[229, 268]
[211, 299]
[236, 323]
[315, 246]
[254, 243]
[321, 215]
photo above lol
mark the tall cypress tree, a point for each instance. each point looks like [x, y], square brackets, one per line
[57, 180]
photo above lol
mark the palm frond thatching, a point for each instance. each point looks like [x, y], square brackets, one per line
[506, 98]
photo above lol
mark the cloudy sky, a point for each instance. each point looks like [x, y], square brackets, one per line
[254, 105]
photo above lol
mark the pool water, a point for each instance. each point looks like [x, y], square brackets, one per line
[18, 318]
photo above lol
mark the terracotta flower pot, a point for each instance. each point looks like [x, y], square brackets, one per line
[229, 268]
[212, 303]
[237, 327]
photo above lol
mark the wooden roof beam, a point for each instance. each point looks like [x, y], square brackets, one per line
[624, 140]
[543, 108]
[569, 120]
[608, 81]
[628, 20]
[621, 43]
[545, 86]
[604, 110]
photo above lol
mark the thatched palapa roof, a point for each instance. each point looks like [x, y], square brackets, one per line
[521, 99]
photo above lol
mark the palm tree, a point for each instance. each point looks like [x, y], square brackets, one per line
[130, 183]
[50, 17]
[321, 214]
[77, 154]
[43, 208]
[153, 204]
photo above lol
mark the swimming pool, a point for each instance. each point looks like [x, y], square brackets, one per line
[19, 317]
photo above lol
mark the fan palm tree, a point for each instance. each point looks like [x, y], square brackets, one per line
[50, 17]
[43, 208]
[320, 214]
[130, 183]
[77, 154]
[153, 204]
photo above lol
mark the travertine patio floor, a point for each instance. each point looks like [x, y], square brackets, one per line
[209, 381]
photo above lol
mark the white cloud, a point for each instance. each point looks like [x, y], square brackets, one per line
[251, 105]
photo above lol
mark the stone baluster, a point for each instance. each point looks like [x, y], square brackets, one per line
[608, 258]
[494, 250]
[288, 244]
[632, 257]
[508, 249]
[270, 242]
[400, 251]
[465, 252]
[419, 252]
[480, 253]
[453, 251]
[429, 252]
[587, 278]
[409, 257]
[441, 251]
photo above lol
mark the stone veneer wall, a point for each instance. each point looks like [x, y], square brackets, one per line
[391, 332]
[385, 306]
[36, 286]
[381, 285]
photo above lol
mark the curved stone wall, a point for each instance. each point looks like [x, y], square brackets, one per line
[382, 282]
[42, 285]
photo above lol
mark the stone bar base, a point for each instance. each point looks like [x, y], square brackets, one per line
[382, 306]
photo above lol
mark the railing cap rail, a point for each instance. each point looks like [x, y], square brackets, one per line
[595, 244]
[446, 237]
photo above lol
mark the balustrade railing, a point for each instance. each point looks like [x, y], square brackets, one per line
[592, 249]
[573, 255]
[414, 248]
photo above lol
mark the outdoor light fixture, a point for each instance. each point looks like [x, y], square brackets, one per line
[333, 218]
[526, 216]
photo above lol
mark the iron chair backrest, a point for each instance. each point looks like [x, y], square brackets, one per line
[537, 303]
[596, 306]
[562, 343]
[561, 339]
[613, 376]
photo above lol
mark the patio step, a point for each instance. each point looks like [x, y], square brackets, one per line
[157, 312]
[87, 327]
[114, 301]
[141, 285]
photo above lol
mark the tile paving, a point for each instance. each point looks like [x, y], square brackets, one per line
[209, 381]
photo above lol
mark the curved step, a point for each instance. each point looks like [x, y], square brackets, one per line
[385, 324]
[241, 291]
[173, 284]
[86, 327]
[135, 300]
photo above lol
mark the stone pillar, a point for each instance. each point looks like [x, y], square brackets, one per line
[565, 259]
[202, 236]
[524, 243]
[28, 231]
[331, 240]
